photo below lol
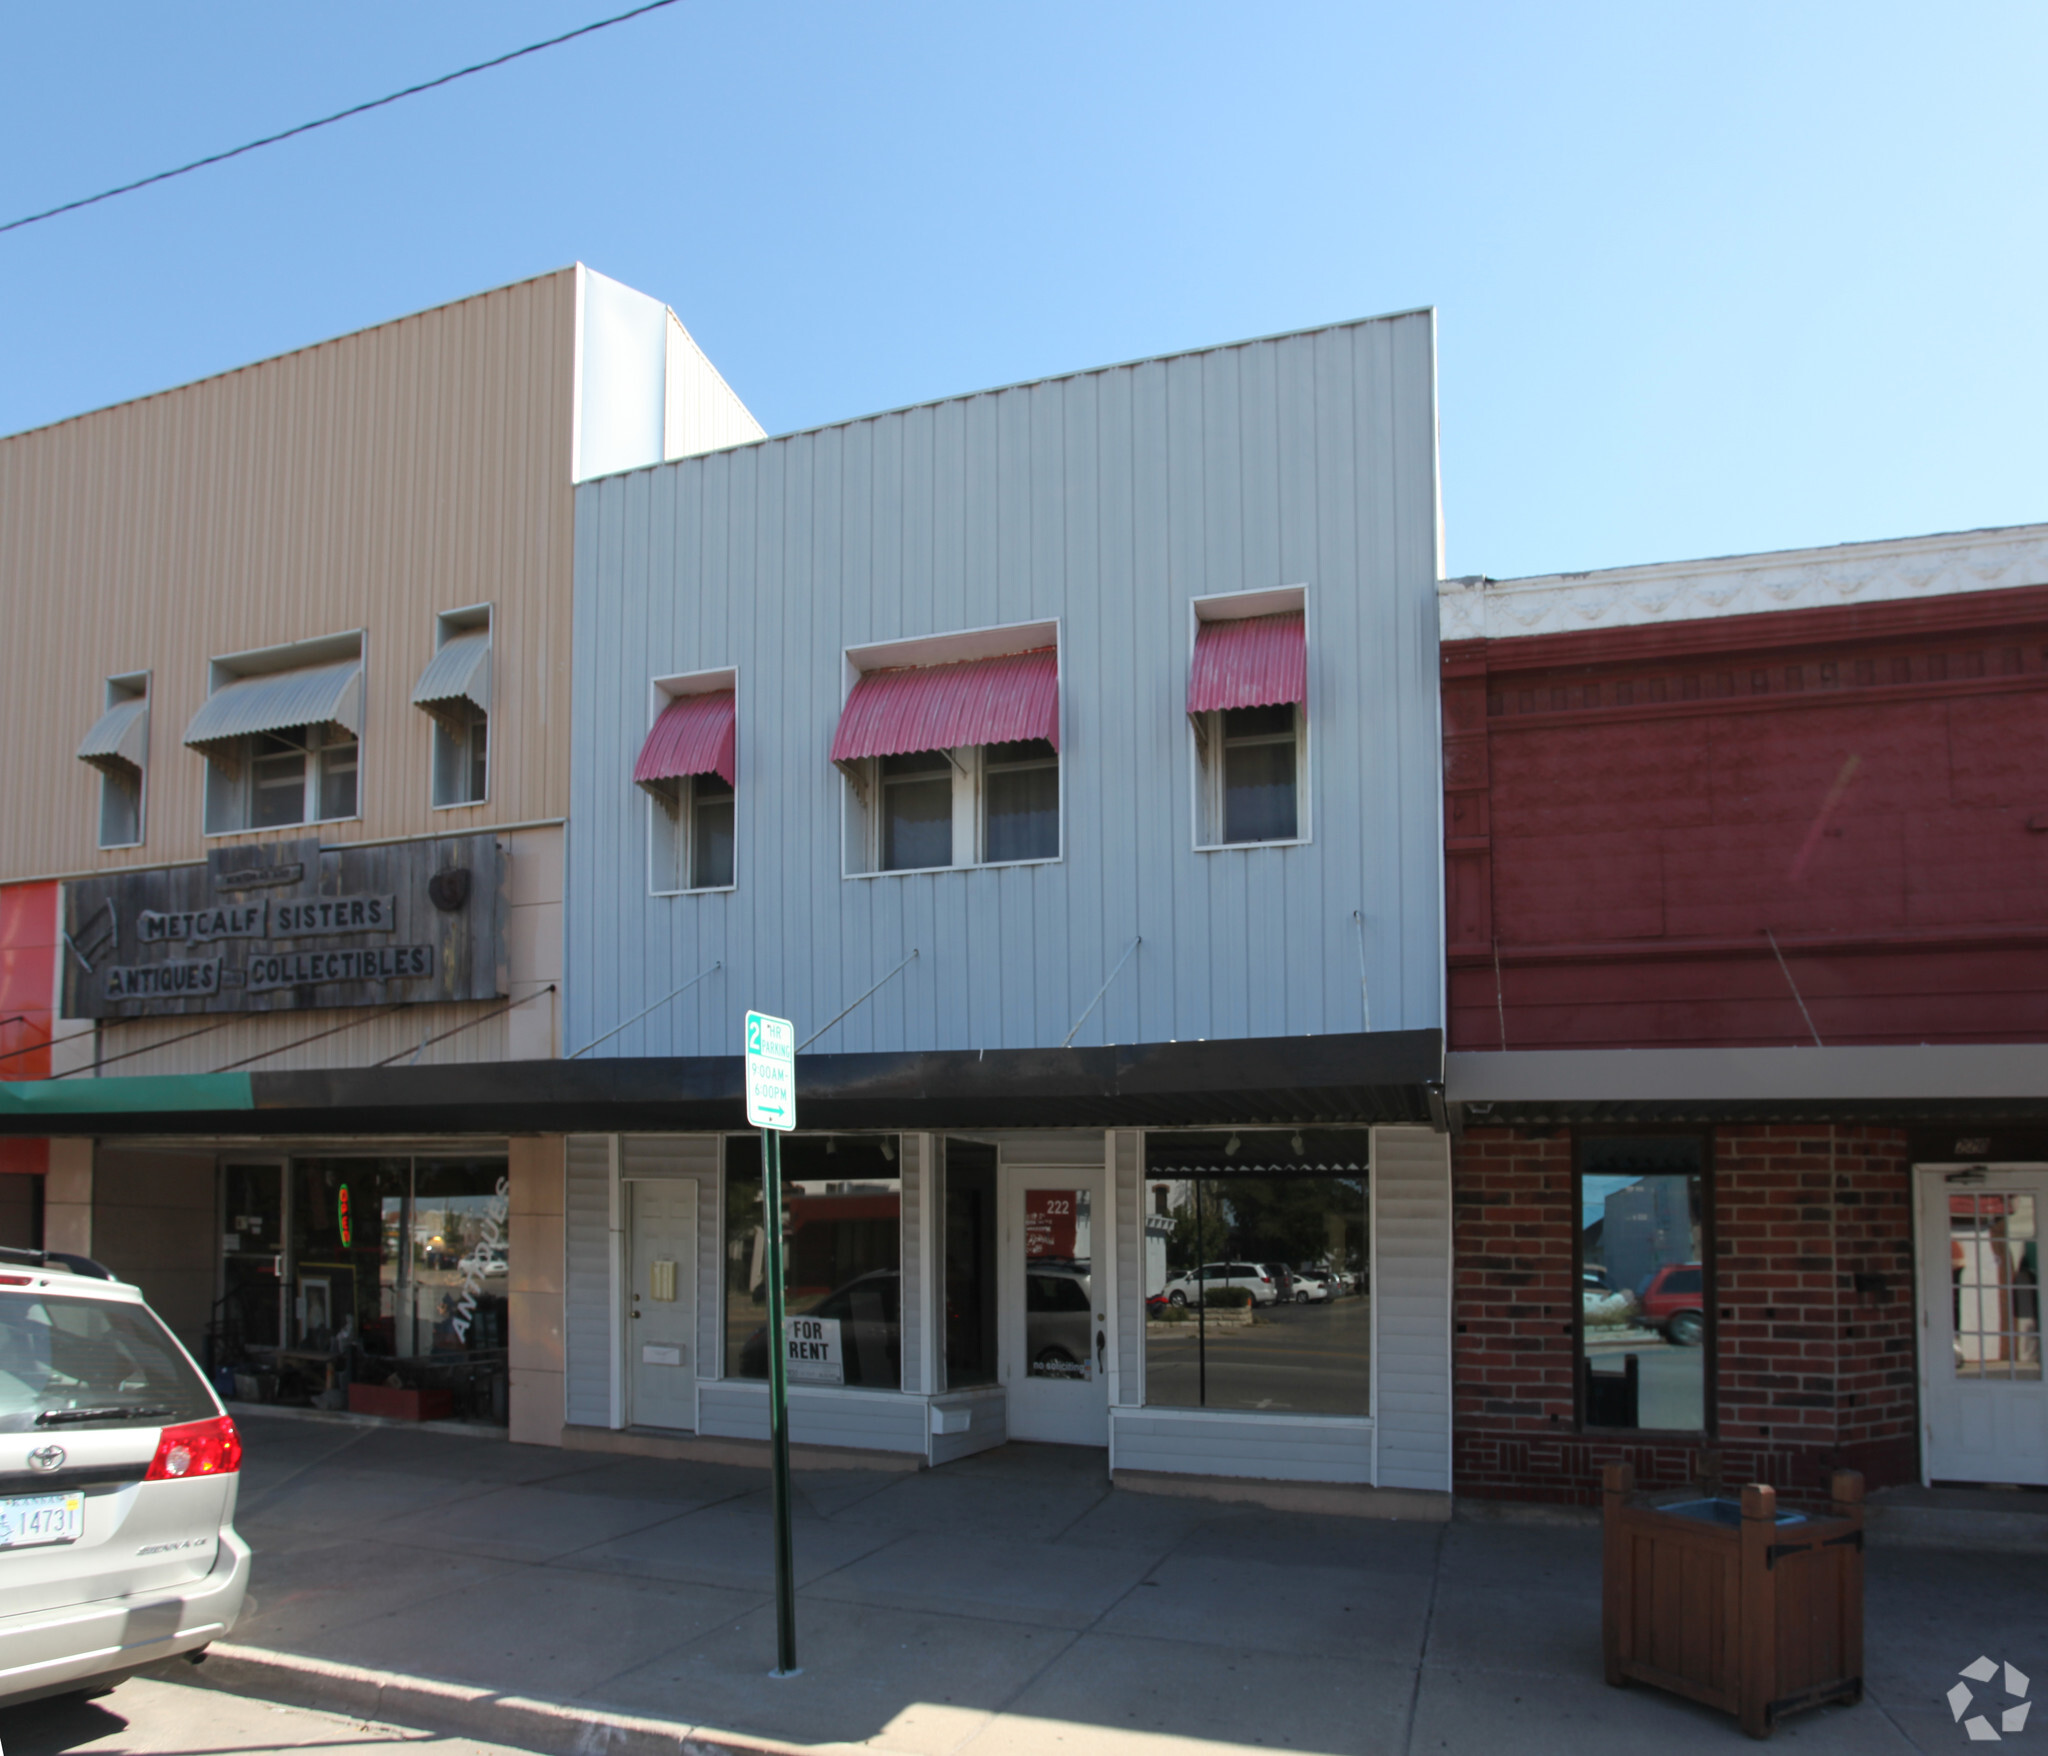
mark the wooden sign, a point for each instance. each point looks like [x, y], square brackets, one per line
[263, 929]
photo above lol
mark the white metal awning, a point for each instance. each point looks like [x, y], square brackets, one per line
[120, 739]
[460, 671]
[280, 700]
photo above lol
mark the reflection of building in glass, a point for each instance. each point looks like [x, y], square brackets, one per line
[1995, 1271]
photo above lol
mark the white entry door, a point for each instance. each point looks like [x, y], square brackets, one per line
[1054, 1289]
[1983, 1401]
[661, 1303]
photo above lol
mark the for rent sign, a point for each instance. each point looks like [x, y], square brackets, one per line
[810, 1349]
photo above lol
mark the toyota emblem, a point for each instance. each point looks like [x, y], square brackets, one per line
[46, 1458]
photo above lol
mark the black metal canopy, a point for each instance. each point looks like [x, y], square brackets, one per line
[1382, 1076]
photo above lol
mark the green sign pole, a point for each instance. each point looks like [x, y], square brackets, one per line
[771, 1107]
[778, 1406]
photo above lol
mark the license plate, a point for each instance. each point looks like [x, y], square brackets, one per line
[46, 1518]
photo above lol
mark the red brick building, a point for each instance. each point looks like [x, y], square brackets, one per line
[1747, 908]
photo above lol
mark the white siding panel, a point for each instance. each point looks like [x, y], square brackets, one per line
[871, 1421]
[989, 1428]
[1411, 1181]
[586, 1301]
[1270, 1447]
[1127, 1148]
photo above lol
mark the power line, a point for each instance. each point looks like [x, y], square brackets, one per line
[338, 116]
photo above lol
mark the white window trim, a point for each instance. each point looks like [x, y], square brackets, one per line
[660, 692]
[969, 830]
[128, 686]
[447, 625]
[291, 656]
[1205, 780]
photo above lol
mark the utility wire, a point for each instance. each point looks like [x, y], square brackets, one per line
[338, 116]
[427, 1043]
[130, 1054]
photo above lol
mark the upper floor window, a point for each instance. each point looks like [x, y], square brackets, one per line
[455, 690]
[689, 768]
[951, 752]
[118, 747]
[280, 732]
[1248, 706]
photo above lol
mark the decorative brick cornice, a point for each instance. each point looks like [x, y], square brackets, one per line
[1740, 585]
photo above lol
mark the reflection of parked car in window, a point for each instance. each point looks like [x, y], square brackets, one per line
[1312, 1287]
[1186, 1289]
[1674, 1300]
[1601, 1302]
[869, 1312]
[1059, 1319]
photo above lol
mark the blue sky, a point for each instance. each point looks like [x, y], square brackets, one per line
[1709, 278]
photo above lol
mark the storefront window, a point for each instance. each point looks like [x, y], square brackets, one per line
[970, 1263]
[399, 1270]
[842, 1201]
[1257, 1266]
[1644, 1315]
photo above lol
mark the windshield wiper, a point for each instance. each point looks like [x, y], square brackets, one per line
[71, 1417]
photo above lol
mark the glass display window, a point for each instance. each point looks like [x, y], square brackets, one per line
[1646, 1320]
[842, 1200]
[1258, 1271]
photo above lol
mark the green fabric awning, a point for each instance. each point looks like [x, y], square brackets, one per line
[159, 1093]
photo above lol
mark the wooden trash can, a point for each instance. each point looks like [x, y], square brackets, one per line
[1733, 1603]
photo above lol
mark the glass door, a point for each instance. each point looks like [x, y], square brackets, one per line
[1984, 1404]
[1055, 1304]
[251, 1309]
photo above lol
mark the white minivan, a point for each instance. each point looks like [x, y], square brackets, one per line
[118, 1470]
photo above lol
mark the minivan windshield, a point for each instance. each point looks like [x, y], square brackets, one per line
[84, 1364]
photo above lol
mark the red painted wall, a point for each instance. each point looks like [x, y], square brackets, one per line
[28, 965]
[1630, 813]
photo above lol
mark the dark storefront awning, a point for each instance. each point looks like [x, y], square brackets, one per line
[1384, 1076]
[1881, 1083]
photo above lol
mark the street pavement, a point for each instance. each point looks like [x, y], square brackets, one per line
[1010, 1603]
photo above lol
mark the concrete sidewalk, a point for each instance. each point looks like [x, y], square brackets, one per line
[579, 1602]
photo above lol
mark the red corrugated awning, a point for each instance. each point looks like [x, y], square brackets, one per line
[942, 707]
[1261, 661]
[693, 736]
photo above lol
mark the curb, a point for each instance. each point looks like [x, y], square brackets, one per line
[553, 1728]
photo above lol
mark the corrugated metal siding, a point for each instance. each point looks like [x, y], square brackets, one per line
[1107, 501]
[1259, 661]
[701, 412]
[1127, 1146]
[586, 1299]
[944, 707]
[1411, 1306]
[367, 482]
